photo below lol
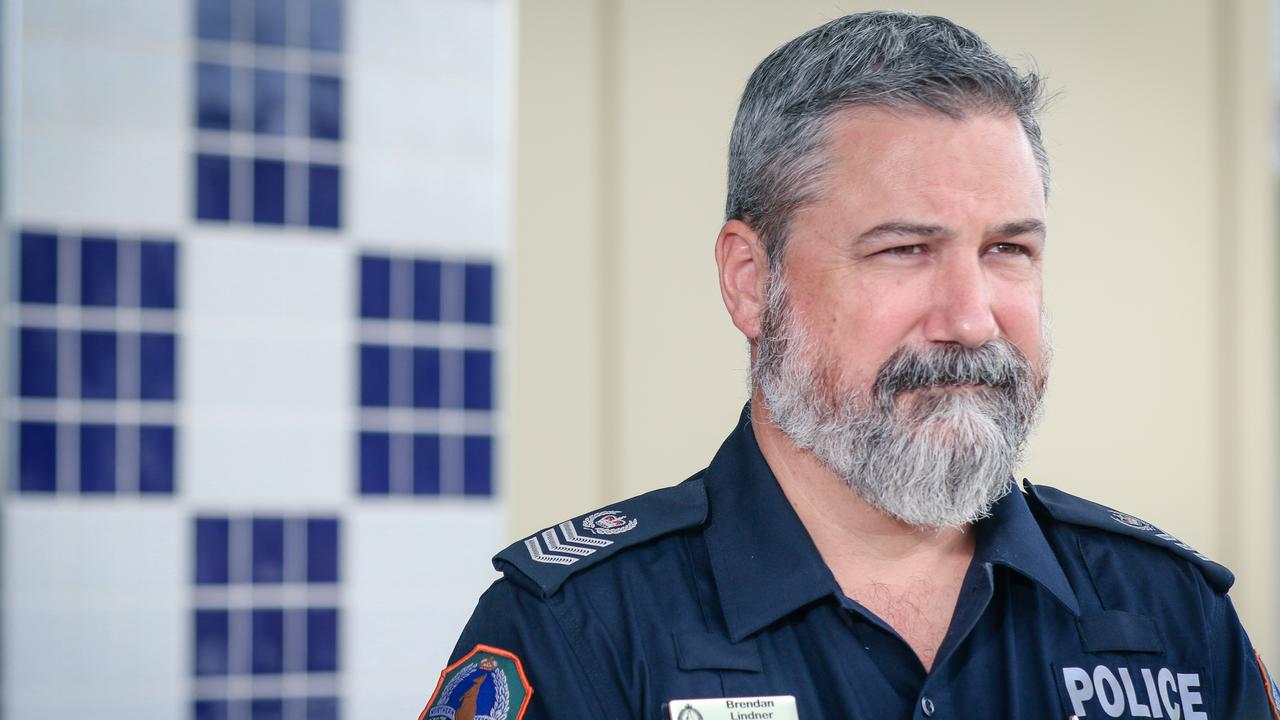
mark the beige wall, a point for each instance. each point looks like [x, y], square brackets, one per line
[626, 373]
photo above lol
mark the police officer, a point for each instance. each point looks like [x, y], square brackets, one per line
[856, 548]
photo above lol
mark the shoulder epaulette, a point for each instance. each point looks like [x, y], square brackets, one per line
[1068, 508]
[543, 561]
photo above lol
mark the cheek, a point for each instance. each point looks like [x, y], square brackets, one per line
[867, 330]
[1021, 322]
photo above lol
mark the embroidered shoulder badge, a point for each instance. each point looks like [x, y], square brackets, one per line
[488, 683]
[609, 522]
[1273, 693]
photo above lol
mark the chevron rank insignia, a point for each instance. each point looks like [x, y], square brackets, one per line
[543, 561]
[488, 683]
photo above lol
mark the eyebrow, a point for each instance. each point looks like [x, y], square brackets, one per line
[901, 229]
[1030, 226]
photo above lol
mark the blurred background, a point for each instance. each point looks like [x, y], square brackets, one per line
[314, 305]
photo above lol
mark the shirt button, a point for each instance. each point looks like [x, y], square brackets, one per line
[926, 707]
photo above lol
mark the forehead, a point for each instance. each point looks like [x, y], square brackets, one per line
[921, 161]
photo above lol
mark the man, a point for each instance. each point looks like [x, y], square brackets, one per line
[857, 547]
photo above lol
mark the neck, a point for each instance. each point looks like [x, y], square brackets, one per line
[848, 531]
[908, 576]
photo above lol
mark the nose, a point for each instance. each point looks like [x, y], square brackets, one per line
[962, 309]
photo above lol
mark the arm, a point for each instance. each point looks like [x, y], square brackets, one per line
[511, 622]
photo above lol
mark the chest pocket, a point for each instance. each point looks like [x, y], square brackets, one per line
[1126, 674]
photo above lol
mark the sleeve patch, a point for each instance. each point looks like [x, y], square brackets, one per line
[487, 683]
[1273, 693]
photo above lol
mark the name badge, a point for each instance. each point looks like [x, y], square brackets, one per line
[775, 707]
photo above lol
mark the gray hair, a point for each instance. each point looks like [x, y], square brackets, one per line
[885, 59]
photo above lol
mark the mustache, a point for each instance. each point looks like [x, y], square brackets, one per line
[997, 363]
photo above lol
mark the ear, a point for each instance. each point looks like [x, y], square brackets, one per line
[744, 271]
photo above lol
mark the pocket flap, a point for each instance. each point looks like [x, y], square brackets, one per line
[706, 651]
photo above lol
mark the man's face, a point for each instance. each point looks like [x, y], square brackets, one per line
[930, 232]
[902, 343]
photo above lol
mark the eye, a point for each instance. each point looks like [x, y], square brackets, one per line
[1006, 248]
[905, 250]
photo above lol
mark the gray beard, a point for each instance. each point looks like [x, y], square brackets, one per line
[917, 446]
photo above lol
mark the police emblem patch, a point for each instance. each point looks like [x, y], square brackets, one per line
[1273, 693]
[487, 683]
[609, 522]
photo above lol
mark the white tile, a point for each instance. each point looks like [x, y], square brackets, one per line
[95, 604]
[147, 23]
[94, 87]
[425, 165]
[445, 38]
[413, 574]
[102, 126]
[108, 545]
[268, 370]
[401, 201]
[119, 180]
[268, 367]
[304, 285]
[249, 459]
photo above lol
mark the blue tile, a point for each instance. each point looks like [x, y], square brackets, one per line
[213, 19]
[426, 377]
[157, 355]
[213, 537]
[426, 290]
[268, 192]
[213, 96]
[266, 709]
[37, 362]
[39, 281]
[212, 646]
[325, 197]
[452, 395]
[210, 710]
[478, 386]
[98, 272]
[325, 93]
[97, 459]
[375, 376]
[37, 457]
[268, 550]
[269, 102]
[268, 642]
[477, 464]
[270, 22]
[478, 302]
[158, 276]
[155, 460]
[322, 550]
[426, 464]
[326, 25]
[97, 365]
[375, 463]
[322, 640]
[375, 287]
[322, 708]
[213, 187]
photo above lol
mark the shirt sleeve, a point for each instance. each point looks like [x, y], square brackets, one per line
[512, 620]
[1239, 681]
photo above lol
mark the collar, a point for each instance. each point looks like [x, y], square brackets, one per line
[766, 565]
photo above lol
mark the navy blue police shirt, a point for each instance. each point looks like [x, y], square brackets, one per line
[714, 589]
